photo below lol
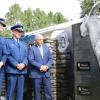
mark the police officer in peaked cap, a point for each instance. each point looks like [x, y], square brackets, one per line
[18, 28]
[3, 57]
[2, 22]
[17, 52]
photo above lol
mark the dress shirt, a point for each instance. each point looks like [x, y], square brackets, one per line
[41, 50]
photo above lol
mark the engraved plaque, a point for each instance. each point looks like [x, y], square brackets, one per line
[84, 90]
[83, 66]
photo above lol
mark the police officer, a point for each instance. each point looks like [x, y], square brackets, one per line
[2, 54]
[16, 63]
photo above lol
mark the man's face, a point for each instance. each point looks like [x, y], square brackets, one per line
[17, 34]
[39, 40]
[1, 27]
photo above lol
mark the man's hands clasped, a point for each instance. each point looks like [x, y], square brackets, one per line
[43, 68]
[20, 66]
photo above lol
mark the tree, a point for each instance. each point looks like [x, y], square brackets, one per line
[32, 20]
[14, 14]
[40, 19]
[50, 18]
[27, 20]
[86, 6]
[59, 18]
[6, 33]
[56, 18]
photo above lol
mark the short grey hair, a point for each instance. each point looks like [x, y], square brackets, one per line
[37, 36]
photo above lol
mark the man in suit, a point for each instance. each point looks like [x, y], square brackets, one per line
[16, 63]
[40, 59]
[2, 53]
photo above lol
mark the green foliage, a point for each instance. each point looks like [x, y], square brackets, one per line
[14, 14]
[86, 6]
[50, 18]
[58, 18]
[27, 20]
[6, 33]
[32, 20]
[40, 19]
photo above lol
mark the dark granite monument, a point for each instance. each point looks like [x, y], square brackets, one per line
[86, 45]
[86, 67]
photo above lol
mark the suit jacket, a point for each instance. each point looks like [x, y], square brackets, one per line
[3, 55]
[37, 61]
[17, 53]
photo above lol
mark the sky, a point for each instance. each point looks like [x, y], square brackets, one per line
[69, 8]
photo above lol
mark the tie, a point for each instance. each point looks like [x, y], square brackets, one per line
[18, 42]
[41, 50]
